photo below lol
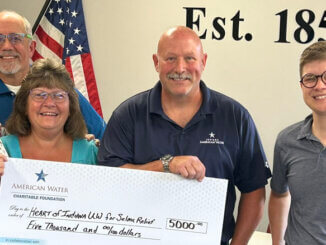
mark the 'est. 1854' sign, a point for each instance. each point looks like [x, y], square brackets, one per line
[304, 18]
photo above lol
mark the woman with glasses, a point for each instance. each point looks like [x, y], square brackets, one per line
[297, 207]
[46, 123]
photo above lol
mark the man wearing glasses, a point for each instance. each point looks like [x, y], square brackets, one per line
[298, 199]
[16, 51]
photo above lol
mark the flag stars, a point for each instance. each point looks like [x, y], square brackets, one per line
[59, 11]
[68, 18]
[74, 13]
[71, 41]
[76, 31]
[79, 48]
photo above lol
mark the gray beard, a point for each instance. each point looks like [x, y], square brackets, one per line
[11, 69]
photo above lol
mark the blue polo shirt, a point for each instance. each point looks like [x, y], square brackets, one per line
[6, 101]
[222, 135]
[95, 124]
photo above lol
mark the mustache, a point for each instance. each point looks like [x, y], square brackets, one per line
[178, 76]
[9, 53]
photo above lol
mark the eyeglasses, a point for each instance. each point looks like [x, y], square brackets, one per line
[41, 96]
[14, 38]
[310, 80]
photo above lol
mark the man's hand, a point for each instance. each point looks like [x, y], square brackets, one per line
[90, 137]
[189, 167]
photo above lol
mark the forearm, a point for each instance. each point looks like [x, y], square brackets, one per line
[250, 212]
[152, 166]
[187, 166]
[279, 205]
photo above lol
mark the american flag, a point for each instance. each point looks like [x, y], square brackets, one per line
[61, 35]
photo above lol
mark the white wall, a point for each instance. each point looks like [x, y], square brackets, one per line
[261, 74]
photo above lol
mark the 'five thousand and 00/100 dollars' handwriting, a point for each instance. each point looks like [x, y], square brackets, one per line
[89, 222]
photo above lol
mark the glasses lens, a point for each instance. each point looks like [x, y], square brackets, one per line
[323, 77]
[2, 38]
[39, 96]
[309, 80]
[15, 38]
[59, 96]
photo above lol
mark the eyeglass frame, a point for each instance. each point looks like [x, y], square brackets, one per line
[23, 35]
[46, 94]
[316, 77]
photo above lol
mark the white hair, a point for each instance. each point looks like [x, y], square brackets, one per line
[27, 24]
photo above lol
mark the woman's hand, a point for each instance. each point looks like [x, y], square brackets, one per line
[3, 159]
[3, 131]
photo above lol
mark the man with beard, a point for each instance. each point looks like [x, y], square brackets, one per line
[183, 127]
[16, 51]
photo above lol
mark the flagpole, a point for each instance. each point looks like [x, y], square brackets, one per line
[44, 8]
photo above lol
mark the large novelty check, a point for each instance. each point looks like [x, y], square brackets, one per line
[60, 203]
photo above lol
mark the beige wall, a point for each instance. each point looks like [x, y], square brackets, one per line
[261, 74]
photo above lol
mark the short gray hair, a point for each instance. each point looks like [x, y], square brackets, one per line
[27, 24]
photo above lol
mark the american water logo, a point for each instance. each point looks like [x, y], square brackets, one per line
[38, 191]
[211, 140]
[40, 188]
[41, 176]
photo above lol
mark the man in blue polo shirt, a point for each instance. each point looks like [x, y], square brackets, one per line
[183, 127]
[16, 49]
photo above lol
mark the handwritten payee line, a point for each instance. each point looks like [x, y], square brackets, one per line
[94, 222]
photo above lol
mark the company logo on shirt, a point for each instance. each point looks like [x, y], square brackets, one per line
[266, 165]
[211, 140]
